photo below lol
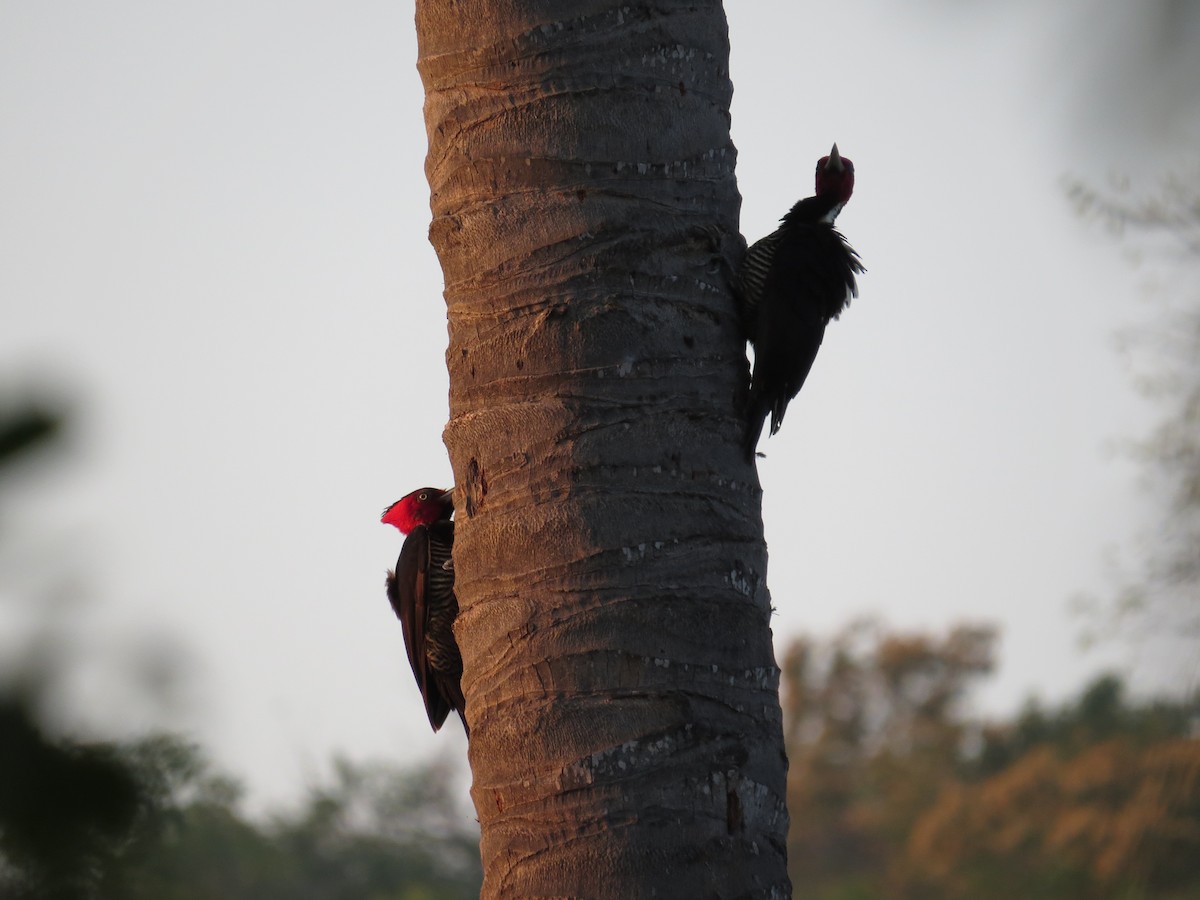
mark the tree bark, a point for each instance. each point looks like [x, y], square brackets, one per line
[610, 567]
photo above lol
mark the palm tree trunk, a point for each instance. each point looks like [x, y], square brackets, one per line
[609, 560]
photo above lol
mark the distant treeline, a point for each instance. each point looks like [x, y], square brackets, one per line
[895, 791]
[150, 820]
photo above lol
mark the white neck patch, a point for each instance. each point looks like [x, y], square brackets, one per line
[829, 217]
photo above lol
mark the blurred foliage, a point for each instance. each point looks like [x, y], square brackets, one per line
[63, 804]
[26, 427]
[873, 734]
[377, 832]
[150, 819]
[1163, 595]
[894, 792]
[64, 808]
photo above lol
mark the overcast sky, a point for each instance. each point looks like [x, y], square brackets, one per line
[213, 219]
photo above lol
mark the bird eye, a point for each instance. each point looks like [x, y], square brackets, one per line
[423, 496]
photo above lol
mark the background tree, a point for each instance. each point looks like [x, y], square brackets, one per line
[66, 806]
[1098, 799]
[897, 792]
[875, 729]
[1163, 594]
[373, 831]
[620, 681]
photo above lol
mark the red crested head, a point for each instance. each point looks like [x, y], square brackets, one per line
[835, 175]
[424, 506]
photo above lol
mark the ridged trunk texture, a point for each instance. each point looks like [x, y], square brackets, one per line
[609, 559]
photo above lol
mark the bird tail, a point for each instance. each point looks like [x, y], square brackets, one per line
[778, 408]
[755, 420]
[452, 690]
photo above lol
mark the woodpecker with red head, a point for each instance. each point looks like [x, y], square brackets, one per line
[791, 283]
[421, 591]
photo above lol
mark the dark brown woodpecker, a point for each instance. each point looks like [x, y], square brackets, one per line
[421, 591]
[791, 283]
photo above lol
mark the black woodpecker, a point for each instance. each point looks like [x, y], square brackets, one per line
[791, 283]
[421, 591]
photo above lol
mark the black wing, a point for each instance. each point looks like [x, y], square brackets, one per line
[752, 278]
[421, 592]
[810, 280]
